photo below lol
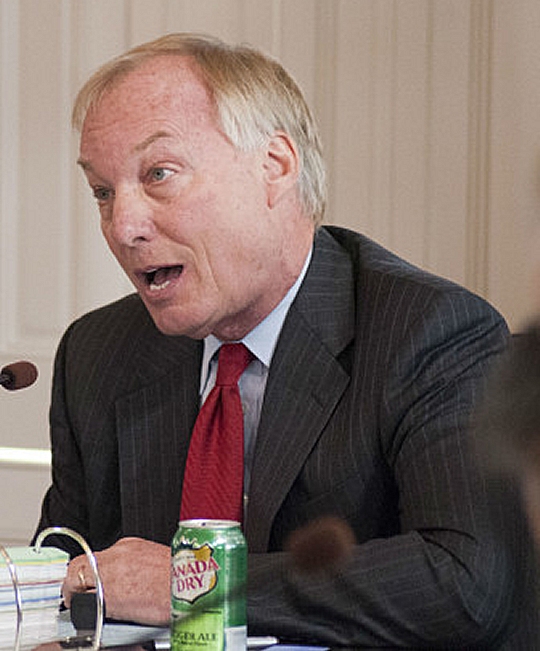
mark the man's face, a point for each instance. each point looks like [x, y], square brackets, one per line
[186, 214]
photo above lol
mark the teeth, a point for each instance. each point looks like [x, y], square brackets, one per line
[161, 277]
[157, 288]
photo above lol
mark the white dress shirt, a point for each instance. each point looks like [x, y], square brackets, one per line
[261, 341]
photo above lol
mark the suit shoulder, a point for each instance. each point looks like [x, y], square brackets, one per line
[119, 309]
[369, 256]
[111, 322]
[120, 335]
[372, 260]
[388, 284]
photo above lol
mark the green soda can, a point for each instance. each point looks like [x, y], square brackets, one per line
[208, 579]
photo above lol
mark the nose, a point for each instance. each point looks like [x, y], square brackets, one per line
[131, 220]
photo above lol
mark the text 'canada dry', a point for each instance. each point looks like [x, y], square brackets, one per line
[208, 601]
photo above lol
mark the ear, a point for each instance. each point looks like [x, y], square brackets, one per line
[281, 167]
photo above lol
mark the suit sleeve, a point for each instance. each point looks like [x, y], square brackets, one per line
[444, 579]
[65, 502]
[84, 494]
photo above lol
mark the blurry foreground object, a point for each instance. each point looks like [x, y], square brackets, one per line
[507, 430]
[323, 545]
[509, 420]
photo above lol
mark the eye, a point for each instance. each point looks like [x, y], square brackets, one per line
[159, 173]
[101, 193]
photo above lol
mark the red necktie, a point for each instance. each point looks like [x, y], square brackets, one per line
[214, 474]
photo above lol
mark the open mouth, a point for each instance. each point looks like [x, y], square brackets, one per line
[159, 278]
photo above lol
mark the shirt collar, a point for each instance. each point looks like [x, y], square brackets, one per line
[262, 340]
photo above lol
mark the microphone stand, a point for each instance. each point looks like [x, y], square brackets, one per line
[93, 564]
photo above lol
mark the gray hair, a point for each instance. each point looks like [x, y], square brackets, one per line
[254, 96]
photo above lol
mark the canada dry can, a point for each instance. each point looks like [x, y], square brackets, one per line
[208, 600]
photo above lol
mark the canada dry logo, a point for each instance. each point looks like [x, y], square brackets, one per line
[194, 571]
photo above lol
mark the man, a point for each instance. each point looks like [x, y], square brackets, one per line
[207, 170]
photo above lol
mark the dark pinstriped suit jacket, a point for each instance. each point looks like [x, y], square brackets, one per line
[365, 416]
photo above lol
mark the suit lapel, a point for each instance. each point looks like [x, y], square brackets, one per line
[305, 383]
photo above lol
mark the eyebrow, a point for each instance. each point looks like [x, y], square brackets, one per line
[158, 135]
[86, 166]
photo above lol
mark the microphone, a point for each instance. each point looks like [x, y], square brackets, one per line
[322, 545]
[18, 375]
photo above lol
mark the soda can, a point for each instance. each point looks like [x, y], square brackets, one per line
[208, 579]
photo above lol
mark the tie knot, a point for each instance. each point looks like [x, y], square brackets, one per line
[232, 362]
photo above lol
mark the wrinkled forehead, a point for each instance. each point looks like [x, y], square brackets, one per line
[164, 83]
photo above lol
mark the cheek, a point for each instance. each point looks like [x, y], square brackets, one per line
[116, 250]
[229, 268]
[106, 231]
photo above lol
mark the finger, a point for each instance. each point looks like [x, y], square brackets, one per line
[79, 578]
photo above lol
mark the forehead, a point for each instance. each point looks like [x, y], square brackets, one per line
[164, 87]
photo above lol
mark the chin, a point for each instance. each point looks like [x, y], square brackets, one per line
[171, 325]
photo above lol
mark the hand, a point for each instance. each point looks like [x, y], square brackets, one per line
[135, 574]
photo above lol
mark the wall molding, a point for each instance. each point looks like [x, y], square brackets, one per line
[25, 458]
[9, 170]
[480, 137]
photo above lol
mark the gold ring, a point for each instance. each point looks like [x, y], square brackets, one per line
[82, 580]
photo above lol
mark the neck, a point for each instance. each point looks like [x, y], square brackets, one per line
[238, 328]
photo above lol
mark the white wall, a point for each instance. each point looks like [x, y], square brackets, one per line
[428, 111]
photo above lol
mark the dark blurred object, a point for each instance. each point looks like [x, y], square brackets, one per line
[18, 375]
[508, 421]
[322, 545]
[507, 433]
[83, 611]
